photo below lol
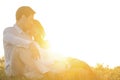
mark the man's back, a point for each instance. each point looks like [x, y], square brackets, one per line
[12, 38]
[8, 48]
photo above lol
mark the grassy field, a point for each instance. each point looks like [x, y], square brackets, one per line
[2, 73]
[72, 74]
[102, 73]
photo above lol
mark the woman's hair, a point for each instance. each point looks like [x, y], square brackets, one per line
[39, 27]
[39, 34]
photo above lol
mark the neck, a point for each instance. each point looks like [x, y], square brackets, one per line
[22, 26]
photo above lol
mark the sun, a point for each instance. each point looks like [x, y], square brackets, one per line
[69, 47]
[65, 47]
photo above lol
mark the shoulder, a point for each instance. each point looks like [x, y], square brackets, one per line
[7, 30]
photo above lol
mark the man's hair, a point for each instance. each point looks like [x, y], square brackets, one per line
[24, 10]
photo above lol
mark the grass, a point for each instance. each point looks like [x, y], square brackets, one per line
[81, 72]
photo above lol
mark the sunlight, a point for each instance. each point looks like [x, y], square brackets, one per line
[86, 30]
[63, 47]
[67, 46]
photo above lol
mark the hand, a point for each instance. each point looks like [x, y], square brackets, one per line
[34, 51]
[46, 44]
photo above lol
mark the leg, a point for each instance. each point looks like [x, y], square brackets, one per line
[17, 66]
[23, 64]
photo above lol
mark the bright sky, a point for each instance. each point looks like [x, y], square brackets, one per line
[85, 29]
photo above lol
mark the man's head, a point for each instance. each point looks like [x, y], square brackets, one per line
[25, 17]
[24, 10]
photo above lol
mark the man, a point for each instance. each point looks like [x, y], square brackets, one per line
[20, 50]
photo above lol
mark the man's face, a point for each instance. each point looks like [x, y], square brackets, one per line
[29, 21]
[29, 24]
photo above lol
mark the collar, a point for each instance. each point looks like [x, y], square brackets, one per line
[18, 28]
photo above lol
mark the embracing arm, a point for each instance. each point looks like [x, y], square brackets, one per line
[10, 38]
[15, 40]
[22, 43]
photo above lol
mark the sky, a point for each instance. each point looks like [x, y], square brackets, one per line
[86, 29]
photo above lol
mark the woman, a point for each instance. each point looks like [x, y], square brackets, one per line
[38, 34]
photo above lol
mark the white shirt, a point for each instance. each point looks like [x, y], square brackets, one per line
[13, 36]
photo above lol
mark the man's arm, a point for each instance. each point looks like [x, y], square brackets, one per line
[34, 47]
[15, 40]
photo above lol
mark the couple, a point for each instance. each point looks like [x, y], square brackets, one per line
[26, 52]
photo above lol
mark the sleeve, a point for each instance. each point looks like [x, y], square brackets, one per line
[15, 40]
